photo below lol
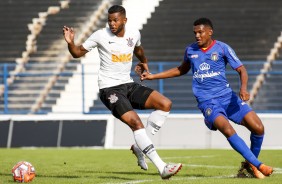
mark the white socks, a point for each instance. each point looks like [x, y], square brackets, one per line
[156, 120]
[154, 123]
[147, 147]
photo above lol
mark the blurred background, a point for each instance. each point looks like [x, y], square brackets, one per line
[41, 82]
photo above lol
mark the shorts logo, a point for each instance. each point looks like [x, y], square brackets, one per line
[208, 111]
[113, 98]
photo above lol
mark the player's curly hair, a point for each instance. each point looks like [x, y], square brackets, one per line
[203, 21]
[117, 9]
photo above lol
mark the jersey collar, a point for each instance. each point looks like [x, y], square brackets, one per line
[205, 50]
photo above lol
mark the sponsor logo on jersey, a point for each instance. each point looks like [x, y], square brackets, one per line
[204, 66]
[214, 56]
[204, 72]
[122, 58]
[194, 56]
[113, 98]
[130, 42]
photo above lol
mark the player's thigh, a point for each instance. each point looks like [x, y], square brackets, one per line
[253, 123]
[158, 101]
[224, 126]
[212, 109]
[237, 109]
[138, 95]
[116, 101]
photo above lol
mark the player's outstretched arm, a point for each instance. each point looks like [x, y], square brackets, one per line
[173, 72]
[244, 94]
[76, 51]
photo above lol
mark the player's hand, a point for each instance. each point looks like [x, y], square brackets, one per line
[244, 95]
[141, 67]
[68, 34]
[146, 76]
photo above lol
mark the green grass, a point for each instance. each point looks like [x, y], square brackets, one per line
[119, 166]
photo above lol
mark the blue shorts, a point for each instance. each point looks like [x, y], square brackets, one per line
[229, 106]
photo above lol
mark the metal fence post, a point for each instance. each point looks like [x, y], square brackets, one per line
[83, 90]
[6, 89]
[161, 81]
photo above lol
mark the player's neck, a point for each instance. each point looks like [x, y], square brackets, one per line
[209, 43]
[121, 33]
[206, 46]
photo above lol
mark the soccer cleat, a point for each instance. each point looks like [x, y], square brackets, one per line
[170, 170]
[256, 173]
[245, 171]
[140, 156]
[265, 170]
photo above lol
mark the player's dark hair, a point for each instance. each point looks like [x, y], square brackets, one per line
[203, 21]
[117, 9]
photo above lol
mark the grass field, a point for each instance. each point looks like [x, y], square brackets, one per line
[89, 166]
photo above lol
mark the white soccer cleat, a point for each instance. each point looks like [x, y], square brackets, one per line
[170, 170]
[140, 156]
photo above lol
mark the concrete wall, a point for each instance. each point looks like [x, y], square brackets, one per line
[189, 131]
[183, 131]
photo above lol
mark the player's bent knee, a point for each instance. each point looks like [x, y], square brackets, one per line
[259, 129]
[167, 105]
[164, 104]
[136, 125]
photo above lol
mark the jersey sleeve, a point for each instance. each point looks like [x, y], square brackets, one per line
[91, 41]
[186, 58]
[138, 42]
[231, 57]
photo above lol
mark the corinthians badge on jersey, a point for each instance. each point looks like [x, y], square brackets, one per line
[214, 56]
[130, 42]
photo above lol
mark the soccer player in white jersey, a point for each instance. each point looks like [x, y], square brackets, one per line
[121, 95]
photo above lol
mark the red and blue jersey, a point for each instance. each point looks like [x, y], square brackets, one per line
[209, 67]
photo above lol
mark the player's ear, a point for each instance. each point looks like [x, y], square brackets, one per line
[124, 20]
[210, 32]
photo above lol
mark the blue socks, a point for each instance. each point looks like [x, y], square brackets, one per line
[240, 146]
[256, 142]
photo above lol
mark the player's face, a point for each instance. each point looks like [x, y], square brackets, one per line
[116, 23]
[203, 35]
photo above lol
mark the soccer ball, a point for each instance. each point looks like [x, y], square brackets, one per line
[23, 172]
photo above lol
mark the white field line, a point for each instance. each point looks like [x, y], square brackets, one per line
[203, 156]
[185, 157]
[277, 170]
[175, 179]
[210, 166]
